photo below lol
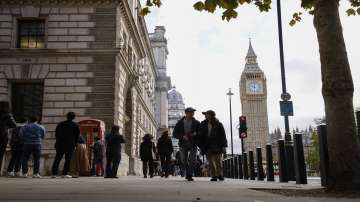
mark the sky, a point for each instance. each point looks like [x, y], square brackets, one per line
[207, 55]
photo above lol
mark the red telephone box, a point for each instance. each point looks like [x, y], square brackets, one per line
[89, 129]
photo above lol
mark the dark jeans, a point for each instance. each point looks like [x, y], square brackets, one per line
[3, 144]
[165, 164]
[58, 157]
[93, 167]
[149, 164]
[35, 151]
[15, 161]
[112, 165]
[188, 156]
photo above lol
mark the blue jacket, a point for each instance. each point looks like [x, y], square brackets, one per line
[32, 133]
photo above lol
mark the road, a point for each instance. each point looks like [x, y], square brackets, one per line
[137, 189]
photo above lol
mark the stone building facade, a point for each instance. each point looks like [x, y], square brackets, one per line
[176, 112]
[253, 96]
[163, 81]
[90, 57]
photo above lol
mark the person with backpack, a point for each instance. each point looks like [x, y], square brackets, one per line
[98, 157]
[148, 155]
[16, 145]
[165, 149]
[6, 122]
[33, 135]
[67, 134]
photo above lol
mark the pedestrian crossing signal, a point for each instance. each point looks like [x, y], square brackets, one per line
[243, 127]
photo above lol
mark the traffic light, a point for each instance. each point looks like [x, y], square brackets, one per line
[243, 127]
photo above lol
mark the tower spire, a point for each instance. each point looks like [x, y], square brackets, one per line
[251, 52]
[251, 59]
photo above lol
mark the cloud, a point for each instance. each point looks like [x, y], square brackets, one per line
[207, 57]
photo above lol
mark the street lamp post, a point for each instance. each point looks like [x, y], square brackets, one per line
[231, 131]
[285, 96]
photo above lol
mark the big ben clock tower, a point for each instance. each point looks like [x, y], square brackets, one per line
[253, 96]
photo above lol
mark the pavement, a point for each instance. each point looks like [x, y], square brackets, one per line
[137, 189]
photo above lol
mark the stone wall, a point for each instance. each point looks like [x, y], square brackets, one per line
[84, 67]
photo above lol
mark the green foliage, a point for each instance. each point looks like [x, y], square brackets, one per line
[229, 7]
[296, 18]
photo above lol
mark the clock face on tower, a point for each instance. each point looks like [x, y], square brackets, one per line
[254, 87]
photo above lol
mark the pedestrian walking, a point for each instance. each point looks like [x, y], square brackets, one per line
[6, 121]
[165, 149]
[80, 164]
[214, 143]
[113, 143]
[98, 157]
[148, 155]
[16, 145]
[67, 135]
[186, 130]
[33, 135]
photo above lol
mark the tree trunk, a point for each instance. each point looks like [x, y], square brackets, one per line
[337, 90]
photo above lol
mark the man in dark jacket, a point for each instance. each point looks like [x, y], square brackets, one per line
[113, 143]
[186, 130]
[214, 143]
[165, 149]
[67, 134]
[6, 121]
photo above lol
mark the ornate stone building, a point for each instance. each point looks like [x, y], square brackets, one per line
[163, 82]
[90, 57]
[176, 112]
[253, 95]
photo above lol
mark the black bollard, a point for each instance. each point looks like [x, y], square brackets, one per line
[224, 168]
[300, 167]
[282, 161]
[290, 162]
[358, 121]
[240, 166]
[245, 166]
[232, 170]
[227, 168]
[260, 168]
[236, 167]
[324, 155]
[251, 165]
[269, 164]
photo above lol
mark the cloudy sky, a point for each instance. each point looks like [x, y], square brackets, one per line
[206, 58]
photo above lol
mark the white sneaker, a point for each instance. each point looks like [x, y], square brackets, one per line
[36, 175]
[66, 176]
[24, 175]
[18, 174]
[10, 174]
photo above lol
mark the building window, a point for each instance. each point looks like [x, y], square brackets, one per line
[31, 34]
[27, 100]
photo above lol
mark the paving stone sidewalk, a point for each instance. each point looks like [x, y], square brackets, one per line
[137, 189]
